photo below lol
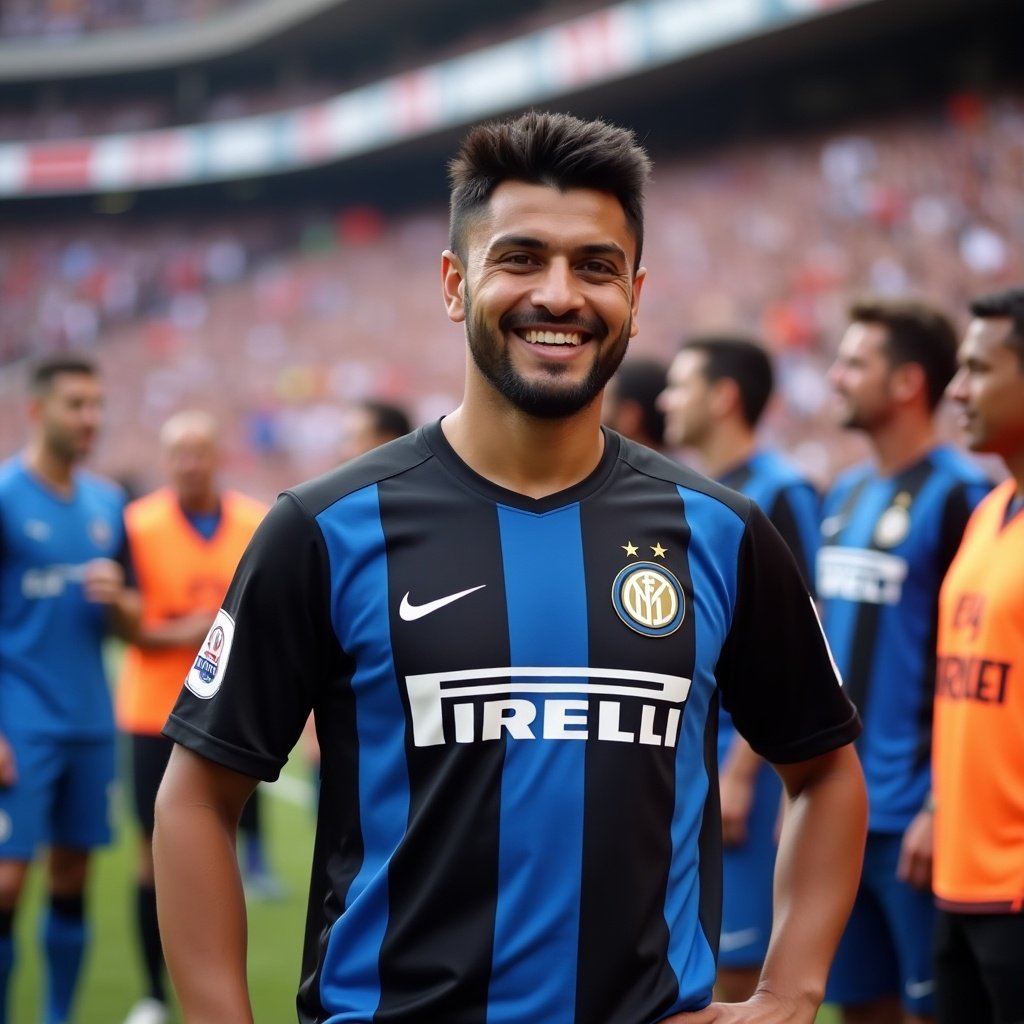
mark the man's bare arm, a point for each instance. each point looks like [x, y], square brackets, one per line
[816, 876]
[199, 890]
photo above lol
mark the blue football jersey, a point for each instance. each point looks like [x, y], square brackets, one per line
[886, 544]
[52, 678]
[516, 701]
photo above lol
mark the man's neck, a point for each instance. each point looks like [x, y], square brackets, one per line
[56, 472]
[1015, 464]
[205, 505]
[726, 447]
[902, 442]
[526, 454]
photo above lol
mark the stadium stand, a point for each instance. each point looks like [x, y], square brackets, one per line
[778, 194]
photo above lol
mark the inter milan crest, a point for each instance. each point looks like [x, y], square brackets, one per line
[647, 596]
[894, 523]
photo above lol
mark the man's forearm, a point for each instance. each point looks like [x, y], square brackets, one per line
[818, 869]
[202, 911]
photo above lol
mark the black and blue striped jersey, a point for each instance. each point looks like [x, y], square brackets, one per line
[793, 506]
[516, 702]
[886, 544]
[787, 498]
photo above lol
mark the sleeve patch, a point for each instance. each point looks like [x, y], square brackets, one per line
[204, 678]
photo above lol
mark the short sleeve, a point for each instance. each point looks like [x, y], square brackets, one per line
[269, 653]
[775, 672]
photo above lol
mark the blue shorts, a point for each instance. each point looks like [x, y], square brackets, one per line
[747, 874]
[63, 796]
[886, 950]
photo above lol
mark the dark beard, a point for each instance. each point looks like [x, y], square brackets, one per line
[549, 399]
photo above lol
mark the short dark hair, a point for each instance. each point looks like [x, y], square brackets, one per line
[387, 418]
[739, 358]
[43, 371]
[642, 380]
[547, 149]
[1009, 305]
[916, 332]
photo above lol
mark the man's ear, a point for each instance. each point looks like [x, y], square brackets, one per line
[638, 285]
[724, 396]
[907, 381]
[453, 285]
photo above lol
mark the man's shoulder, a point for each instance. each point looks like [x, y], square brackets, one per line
[101, 488]
[959, 467]
[784, 473]
[661, 467]
[373, 467]
[12, 473]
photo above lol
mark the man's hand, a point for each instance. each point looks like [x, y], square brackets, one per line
[103, 581]
[762, 1008]
[915, 864]
[8, 768]
[737, 794]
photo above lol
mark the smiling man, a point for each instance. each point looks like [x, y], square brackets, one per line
[513, 628]
[978, 757]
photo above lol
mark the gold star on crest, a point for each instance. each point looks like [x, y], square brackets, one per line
[659, 551]
[630, 548]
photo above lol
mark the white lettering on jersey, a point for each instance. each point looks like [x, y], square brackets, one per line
[207, 671]
[50, 580]
[486, 703]
[856, 574]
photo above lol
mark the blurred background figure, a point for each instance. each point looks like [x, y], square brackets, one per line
[371, 423]
[717, 390]
[186, 539]
[631, 401]
[979, 701]
[889, 530]
[64, 586]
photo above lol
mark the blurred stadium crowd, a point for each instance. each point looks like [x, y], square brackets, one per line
[280, 318]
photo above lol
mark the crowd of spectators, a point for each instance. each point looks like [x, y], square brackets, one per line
[279, 322]
[67, 19]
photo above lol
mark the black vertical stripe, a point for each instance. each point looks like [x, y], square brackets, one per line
[865, 634]
[623, 971]
[784, 520]
[439, 940]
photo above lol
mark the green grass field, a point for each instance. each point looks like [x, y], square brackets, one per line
[113, 978]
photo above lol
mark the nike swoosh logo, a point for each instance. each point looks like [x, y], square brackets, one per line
[919, 989]
[737, 940]
[411, 612]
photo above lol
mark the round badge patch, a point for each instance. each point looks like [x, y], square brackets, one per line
[204, 678]
[892, 527]
[648, 599]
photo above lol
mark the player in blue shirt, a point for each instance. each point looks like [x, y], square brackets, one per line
[718, 388]
[889, 531]
[63, 572]
[514, 629]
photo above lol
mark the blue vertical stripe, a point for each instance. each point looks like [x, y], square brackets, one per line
[713, 567]
[350, 983]
[840, 615]
[542, 796]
